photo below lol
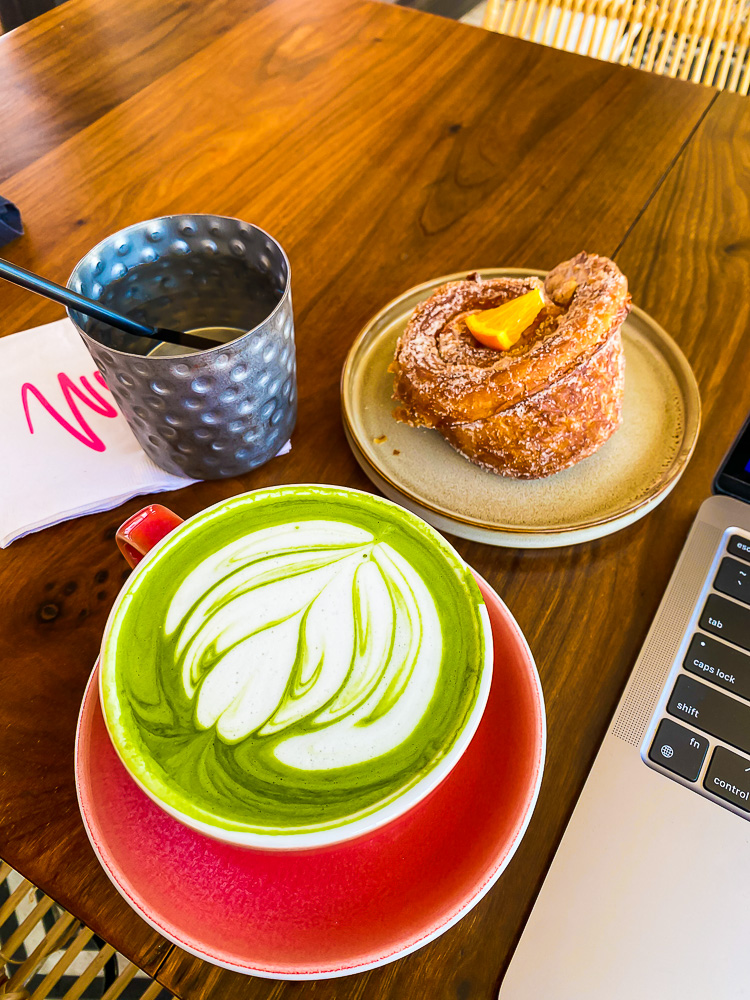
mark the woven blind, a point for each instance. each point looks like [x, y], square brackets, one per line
[705, 41]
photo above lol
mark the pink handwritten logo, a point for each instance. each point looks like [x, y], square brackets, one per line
[84, 432]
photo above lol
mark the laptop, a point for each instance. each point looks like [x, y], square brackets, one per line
[648, 895]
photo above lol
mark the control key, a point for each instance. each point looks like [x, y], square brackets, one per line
[728, 776]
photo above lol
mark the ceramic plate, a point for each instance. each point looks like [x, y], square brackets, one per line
[336, 910]
[625, 479]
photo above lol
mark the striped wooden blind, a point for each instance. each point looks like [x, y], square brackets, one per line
[701, 40]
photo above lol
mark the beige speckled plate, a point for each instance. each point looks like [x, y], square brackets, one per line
[624, 480]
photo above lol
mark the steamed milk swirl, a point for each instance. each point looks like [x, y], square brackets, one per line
[294, 663]
[336, 635]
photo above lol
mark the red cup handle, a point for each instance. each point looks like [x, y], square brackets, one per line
[139, 534]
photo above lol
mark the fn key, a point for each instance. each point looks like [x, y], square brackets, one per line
[678, 749]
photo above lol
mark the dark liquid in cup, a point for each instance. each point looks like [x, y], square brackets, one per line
[219, 297]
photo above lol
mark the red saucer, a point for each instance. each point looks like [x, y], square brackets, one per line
[335, 910]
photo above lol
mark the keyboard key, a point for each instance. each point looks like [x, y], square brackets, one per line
[733, 578]
[730, 621]
[719, 664]
[739, 546]
[679, 750]
[712, 712]
[728, 776]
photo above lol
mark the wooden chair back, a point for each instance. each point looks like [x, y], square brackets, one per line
[705, 41]
[41, 945]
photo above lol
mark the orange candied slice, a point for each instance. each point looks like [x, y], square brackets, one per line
[502, 327]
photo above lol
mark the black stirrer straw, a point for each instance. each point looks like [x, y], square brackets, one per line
[43, 286]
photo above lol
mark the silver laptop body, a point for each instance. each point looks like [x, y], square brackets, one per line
[648, 895]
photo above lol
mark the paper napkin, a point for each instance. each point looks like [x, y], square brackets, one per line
[65, 448]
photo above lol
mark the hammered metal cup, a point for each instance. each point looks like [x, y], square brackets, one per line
[207, 414]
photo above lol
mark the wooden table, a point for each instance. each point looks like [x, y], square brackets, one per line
[382, 147]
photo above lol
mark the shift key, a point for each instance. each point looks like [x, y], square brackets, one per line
[709, 710]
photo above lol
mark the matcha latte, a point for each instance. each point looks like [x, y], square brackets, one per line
[295, 666]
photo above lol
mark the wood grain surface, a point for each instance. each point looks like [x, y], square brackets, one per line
[382, 147]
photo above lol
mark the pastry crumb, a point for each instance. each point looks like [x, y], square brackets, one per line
[381, 439]
[396, 451]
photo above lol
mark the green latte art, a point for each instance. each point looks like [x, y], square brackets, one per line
[293, 660]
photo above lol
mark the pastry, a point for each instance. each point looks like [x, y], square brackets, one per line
[547, 401]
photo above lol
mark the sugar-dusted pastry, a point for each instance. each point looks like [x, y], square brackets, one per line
[539, 384]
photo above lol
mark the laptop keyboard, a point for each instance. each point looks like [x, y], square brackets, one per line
[703, 724]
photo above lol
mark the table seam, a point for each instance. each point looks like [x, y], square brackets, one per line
[670, 167]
